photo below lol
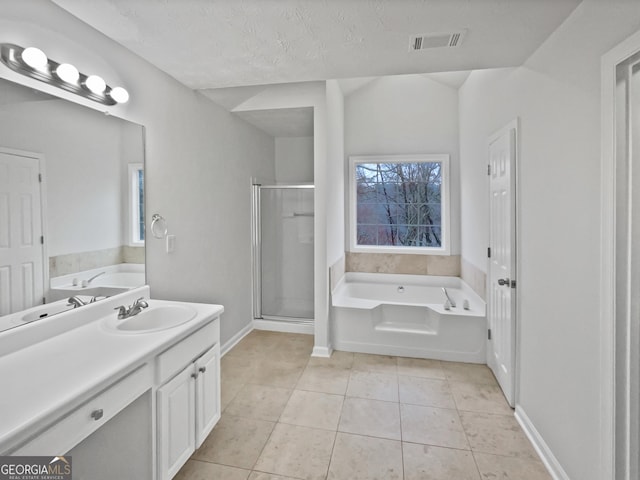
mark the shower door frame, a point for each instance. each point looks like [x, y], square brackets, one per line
[256, 254]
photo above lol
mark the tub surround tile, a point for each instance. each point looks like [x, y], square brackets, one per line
[78, 262]
[198, 470]
[336, 272]
[260, 402]
[364, 458]
[495, 467]
[426, 462]
[357, 415]
[474, 277]
[496, 434]
[425, 391]
[448, 265]
[419, 367]
[469, 373]
[313, 409]
[432, 426]
[374, 386]
[477, 397]
[133, 254]
[298, 452]
[235, 441]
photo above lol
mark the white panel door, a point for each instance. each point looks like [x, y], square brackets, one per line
[21, 250]
[501, 280]
[207, 393]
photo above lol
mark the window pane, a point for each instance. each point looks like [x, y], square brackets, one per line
[399, 204]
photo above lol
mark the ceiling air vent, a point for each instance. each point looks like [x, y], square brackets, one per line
[436, 40]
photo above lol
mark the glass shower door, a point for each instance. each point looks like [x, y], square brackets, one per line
[286, 252]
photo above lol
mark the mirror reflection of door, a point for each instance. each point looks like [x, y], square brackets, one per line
[21, 240]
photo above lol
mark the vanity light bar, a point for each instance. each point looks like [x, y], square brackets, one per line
[33, 63]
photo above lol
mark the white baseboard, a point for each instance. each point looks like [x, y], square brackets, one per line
[541, 447]
[287, 327]
[233, 341]
[324, 352]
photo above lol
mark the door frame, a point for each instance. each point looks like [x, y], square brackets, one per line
[608, 323]
[43, 210]
[515, 229]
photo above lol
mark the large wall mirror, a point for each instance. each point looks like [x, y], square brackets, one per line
[75, 177]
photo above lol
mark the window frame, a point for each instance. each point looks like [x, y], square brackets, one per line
[441, 158]
[134, 205]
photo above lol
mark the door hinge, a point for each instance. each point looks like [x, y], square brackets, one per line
[489, 334]
[489, 252]
[40, 177]
[41, 239]
[513, 284]
[489, 169]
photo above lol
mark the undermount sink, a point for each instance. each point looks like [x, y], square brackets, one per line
[156, 318]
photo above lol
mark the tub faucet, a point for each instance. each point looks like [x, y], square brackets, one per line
[451, 300]
[94, 277]
[76, 302]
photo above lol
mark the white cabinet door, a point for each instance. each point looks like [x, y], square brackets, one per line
[207, 393]
[176, 430]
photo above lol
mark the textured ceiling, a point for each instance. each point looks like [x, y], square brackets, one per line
[226, 43]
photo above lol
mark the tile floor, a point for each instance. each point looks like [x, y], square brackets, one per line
[287, 415]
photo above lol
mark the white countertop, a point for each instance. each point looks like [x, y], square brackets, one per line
[42, 381]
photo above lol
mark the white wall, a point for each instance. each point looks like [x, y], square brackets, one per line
[556, 96]
[199, 161]
[294, 159]
[406, 114]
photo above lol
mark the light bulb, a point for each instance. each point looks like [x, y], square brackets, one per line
[68, 73]
[119, 94]
[35, 58]
[96, 84]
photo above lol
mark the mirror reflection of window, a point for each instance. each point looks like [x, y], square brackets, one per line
[136, 210]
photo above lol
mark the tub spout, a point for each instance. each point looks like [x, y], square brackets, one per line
[451, 300]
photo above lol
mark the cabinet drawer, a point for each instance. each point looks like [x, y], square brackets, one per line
[177, 357]
[86, 419]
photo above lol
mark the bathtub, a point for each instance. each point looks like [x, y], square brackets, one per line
[112, 280]
[405, 315]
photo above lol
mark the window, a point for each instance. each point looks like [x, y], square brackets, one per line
[399, 204]
[136, 203]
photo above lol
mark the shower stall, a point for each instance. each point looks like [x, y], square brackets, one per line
[283, 253]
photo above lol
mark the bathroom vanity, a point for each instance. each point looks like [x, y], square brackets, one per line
[125, 398]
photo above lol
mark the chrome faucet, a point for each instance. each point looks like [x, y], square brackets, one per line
[76, 302]
[94, 277]
[451, 300]
[136, 308]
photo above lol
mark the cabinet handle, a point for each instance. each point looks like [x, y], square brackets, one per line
[97, 414]
[194, 375]
[202, 369]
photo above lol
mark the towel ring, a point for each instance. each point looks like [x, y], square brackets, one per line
[158, 226]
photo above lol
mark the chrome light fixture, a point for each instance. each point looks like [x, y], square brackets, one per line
[34, 63]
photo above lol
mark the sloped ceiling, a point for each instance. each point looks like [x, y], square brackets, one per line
[208, 44]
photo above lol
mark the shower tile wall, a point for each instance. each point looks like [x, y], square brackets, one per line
[445, 265]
